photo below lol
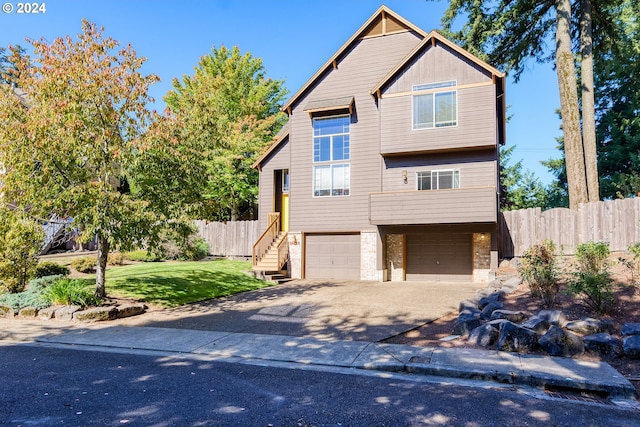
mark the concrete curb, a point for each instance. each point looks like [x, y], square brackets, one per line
[551, 373]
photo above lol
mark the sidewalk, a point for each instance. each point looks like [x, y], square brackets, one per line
[505, 368]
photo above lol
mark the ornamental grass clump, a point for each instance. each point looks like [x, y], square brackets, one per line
[540, 271]
[71, 292]
[593, 279]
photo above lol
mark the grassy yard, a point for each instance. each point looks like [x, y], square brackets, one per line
[172, 284]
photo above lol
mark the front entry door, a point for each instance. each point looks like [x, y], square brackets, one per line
[281, 202]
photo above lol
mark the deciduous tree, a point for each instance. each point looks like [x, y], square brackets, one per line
[231, 110]
[72, 149]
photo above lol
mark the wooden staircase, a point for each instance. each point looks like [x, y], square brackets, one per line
[271, 251]
[270, 260]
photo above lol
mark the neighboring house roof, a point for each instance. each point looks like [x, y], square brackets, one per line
[277, 140]
[383, 21]
[433, 38]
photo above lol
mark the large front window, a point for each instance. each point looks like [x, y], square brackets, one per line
[434, 109]
[331, 154]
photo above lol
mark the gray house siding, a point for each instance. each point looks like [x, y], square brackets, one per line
[359, 70]
[477, 169]
[476, 124]
[279, 159]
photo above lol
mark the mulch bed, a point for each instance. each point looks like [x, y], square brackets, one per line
[626, 310]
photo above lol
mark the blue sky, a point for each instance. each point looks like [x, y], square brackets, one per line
[292, 37]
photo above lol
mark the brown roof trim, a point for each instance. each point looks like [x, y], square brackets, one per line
[277, 141]
[432, 38]
[333, 61]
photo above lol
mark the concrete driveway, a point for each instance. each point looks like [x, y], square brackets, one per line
[343, 310]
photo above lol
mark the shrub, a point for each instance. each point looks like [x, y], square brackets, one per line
[539, 270]
[20, 242]
[194, 250]
[142, 255]
[593, 279]
[48, 268]
[634, 264]
[71, 292]
[115, 258]
[86, 264]
[32, 296]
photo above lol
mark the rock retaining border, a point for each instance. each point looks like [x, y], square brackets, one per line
[73, 312]
[484, 322]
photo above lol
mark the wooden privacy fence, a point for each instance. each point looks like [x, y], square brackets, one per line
[232, 238]
[613, 221]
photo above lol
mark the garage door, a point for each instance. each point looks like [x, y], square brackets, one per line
[439, 257]
[332, 256]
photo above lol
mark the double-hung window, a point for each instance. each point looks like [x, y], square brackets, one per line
[438, 179]
[331, 156]
[434, 106]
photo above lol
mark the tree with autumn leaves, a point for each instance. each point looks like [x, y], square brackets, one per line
[77, 140]
[82, 144]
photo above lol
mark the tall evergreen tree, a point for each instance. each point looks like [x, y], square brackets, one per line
[508, 33]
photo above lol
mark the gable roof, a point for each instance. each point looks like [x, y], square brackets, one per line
[277, 140]
[433, 38]
[383, 21]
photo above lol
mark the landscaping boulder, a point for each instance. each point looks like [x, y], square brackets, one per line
[630, 329]
[515, 338]
[467, 306]
[66, 312]
[511, 316]
[558, 342]
[484, 335]
[128, 310]
[95, 314]
[603, 344]
[47, 313]
[554, 317]
[6, 311]
[631, 346]
[537, 324]
[589, 326]
[467, 322]
[511, 285]
[493, 297]
[488, 309]
[28, 312]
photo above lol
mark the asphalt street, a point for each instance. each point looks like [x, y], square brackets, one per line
[49, 386]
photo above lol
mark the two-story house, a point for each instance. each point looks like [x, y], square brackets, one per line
[388, 166]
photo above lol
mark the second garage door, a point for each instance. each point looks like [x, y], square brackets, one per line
[439, 257]
[332, 256]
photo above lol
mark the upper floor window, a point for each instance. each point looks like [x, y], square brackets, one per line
[438, 179]
[331, 154]
[435, 109]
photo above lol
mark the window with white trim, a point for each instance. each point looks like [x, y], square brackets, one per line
[435, 109]
[331, 155]
[438, 179]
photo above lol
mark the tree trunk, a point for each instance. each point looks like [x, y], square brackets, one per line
[103, 254]
[588, 103]
[568, 86]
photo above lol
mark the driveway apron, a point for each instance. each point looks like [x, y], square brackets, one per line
[337, 310]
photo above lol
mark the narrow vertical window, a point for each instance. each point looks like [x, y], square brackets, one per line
[331, 155]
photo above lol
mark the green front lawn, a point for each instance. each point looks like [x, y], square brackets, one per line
[175, 283]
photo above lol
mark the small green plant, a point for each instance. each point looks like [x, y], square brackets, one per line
[20, 243]
[32, 296]
[593, 278]
[194, 250]
[539, 270]
[48, 268]
[633, 264]
[142, 255]
[115, 258]
[86, 264]
[71, 292]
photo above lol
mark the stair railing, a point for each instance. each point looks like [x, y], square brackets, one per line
[266, 239]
